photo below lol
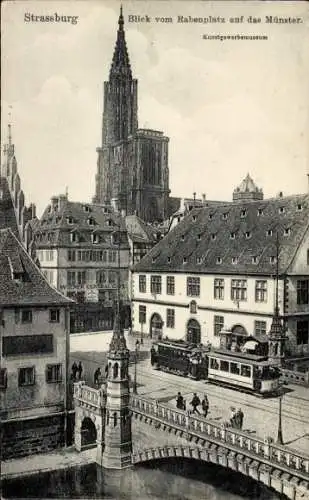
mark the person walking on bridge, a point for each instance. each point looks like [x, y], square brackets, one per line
[195, 403]
[179, 401]
[205, 405]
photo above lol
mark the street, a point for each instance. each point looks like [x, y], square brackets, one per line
[260, 415]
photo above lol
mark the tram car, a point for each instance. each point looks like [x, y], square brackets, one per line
[248, 372]
[180, 357]
[240, 370]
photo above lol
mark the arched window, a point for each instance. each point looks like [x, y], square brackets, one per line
[193, 307]
[115, 419]
[116, 370]
[193, 331]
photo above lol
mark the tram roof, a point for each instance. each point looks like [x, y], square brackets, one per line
[240, 357]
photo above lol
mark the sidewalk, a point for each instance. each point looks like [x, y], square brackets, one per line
[62, 459]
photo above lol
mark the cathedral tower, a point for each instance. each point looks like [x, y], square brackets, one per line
[118, 436]
[132, 168]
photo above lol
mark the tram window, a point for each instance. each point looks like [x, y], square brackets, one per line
[245, 371]
[235, 368]
[214, 364]
[224, 366]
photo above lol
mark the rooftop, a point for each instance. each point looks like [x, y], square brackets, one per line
[21, 281]
[235, 238]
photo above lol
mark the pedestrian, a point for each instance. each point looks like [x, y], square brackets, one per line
[179, 401]
[239, 418]
[74, 370]
[195, 403]
[96, 376]
[233, 417]
[80, 370]
[205, 405]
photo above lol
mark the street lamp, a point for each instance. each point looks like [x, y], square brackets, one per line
[279, 434]
[137, 345]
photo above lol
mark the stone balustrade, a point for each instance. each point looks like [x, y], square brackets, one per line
[88, 395]
[264, 450]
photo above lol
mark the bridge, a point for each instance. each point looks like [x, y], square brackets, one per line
[179, 434]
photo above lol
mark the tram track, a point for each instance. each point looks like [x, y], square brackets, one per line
[299, 414]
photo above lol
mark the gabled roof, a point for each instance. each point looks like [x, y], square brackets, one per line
[139, 231]
[236, 238]
[21, 281]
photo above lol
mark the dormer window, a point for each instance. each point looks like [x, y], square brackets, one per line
[198, 260]
[272, 259]
[225, 216]
[234, 260]
[248, 234]
[87, 208]
[194, 218]
[269, 232]
[210, 216]
[168, 260]
[232, 236]
[243, 213]
[198, 237]
[95, 238]
[213, 236]
[184, 260]
[281, 210]
[182, 237]
[299, 207]
[260, 212]
[287, 231]
[254, 260]
[91, 221]
[74, 237]
[153, 259]
[219, 260]
[109, 222]
[70, 220]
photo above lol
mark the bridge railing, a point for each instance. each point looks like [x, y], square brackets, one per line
[82, 392]
[263, 449]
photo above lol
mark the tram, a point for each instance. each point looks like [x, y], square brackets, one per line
[241, 370]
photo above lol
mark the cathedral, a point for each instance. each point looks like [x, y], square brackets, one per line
[132, 168]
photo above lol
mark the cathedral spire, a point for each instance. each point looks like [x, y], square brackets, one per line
[120, 62]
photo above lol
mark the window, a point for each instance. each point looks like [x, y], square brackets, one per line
[26, 316]
[101, 276]
[194, 218]
[170, 318]
[53, 373]
[302, 332]
[219, 288]
[281, 210]
[71, 255]
[112, 256]
[225, 215]
[193, 307]
[254, 260]
[210, 216]
[112, 277]
[299, 207]
[302, 291]
[213, 236]
[155, 284]
[243, 213]
[232, 236]
[74, 237]
[234, 260]
[261, 291]
[70, 220]
[168, 260]
[245, 371]
[54, 315]
[272, 259]
[260, 212]
[19, 345]
[248, 234]
[235, 368]
[3, 378]
[182, 237]
[81, 277]
[193, 287]
[269, 232]
[142, 314]
[219, 260]
[198, 237]
[287, 231]
[224, 366]
[259, 328]
[95, 238]
[142, 283]
[214, 364]
[218, 324]
[185, 260]
[198, 260]
[170, 285]
[239, 290]
[26, 376]
[90, 221]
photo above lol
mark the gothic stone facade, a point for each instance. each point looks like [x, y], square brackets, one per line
[132, 169]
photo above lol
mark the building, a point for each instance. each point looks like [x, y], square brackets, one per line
[247, 191]
[34, 330]
[82, 248]
[132, 168]
[216, 269]
[14, 213]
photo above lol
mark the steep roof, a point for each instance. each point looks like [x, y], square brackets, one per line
[21, 281]
[120, 62]
[65, 217]
[140, 231]
[236, 238]
[247, 185]
[7, 210]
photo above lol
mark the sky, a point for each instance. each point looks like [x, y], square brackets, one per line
[229, 107]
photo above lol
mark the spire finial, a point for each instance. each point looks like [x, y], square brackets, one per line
[120, 20]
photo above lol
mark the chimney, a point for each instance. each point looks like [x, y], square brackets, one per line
[204, 198]
[280, 194]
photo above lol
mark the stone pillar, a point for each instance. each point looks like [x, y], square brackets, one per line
[77, 431]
